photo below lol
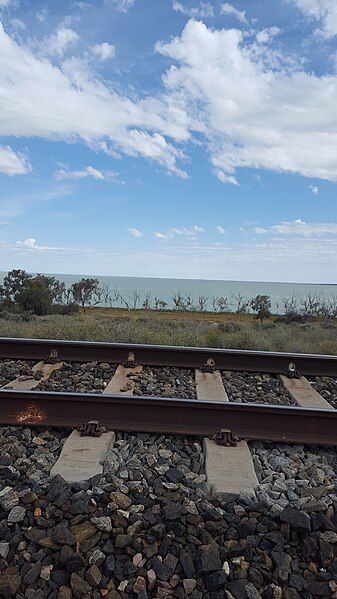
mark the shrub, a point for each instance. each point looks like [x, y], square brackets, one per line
[65, 309]
[229, 327]
[35, 297]
[87, 292]
[14, 282]
[261, 304]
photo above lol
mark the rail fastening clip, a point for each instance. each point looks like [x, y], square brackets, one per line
[93, 428]
[292, 371]
[209, 366]
[226, 438]
[130, 362]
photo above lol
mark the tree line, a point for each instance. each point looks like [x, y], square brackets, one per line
[42, 294]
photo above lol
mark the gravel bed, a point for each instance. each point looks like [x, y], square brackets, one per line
[247, 387]
[83, 378]
[295, 474]
[165, 382]
[12, 369]
[29, 452]
[327, 387]
[148, 526]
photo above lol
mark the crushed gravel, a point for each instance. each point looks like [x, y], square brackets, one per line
[246, 387]
[148, 527]
[12, 369]
[165, 382]
[83, 378]
[327, 387]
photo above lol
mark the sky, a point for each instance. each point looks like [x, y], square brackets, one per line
[174, 139]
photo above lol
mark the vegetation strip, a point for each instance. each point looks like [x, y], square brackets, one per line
[41, 294]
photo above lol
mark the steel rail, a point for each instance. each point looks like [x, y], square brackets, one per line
[159, 355]
[162, 415]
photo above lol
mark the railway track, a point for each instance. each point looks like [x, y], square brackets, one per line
[125, 498]
[310, 420]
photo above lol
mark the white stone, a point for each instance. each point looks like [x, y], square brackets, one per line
[17, 514]
[4, 549]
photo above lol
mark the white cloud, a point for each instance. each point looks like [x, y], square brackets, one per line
[135, 232]
[220, 229]
[60, 41]
[227, 178]
[299, 227]
[204, 9]
[324, 11]
[42, 14]
[314, 189]
[5, 3]
[229, 10]
[258, 230]
[30, 244]
[173, 232]
[71, 104]
[121, 5]
[266, 35]
[18, 24]
[13, 163]
[255, 109]
[82, 5]
[250, 106]
[89, 171]
[187, 230]
[27, 243]
[103, 51]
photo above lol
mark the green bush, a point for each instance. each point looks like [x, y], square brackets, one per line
[35, 297]
[261, 305]
[65, 309]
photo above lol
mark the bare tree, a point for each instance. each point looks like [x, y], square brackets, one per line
[290, 307]
[222, 304]
[147, 303]
[159, 304]
[114, 297]
[178, 300]
[242, 305]
[135, 298]
[214, 304]
[188, 302]
[202, 303]
[310, 305]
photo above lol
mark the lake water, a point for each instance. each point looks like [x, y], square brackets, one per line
[165, 288]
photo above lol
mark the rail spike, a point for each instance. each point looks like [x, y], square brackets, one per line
[130, 362]
[209, 366]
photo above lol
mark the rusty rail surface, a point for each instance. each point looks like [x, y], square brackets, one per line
[159, 355]
[162, 415]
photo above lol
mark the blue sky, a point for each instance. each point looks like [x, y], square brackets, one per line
[164, 138]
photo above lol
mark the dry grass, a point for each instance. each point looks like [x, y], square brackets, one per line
[175, 328]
